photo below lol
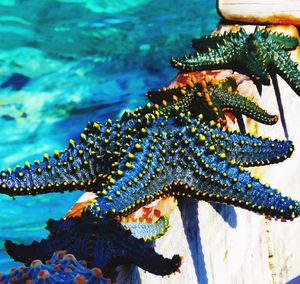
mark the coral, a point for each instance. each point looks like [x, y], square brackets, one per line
[61, 268]
[260, 53]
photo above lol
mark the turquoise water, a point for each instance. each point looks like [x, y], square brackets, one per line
[63, 63]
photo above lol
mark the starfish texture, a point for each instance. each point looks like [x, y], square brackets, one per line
[209, 97]
[61, 268]
[260, 53]
[148, 155]
[101, 242]
[146, 230]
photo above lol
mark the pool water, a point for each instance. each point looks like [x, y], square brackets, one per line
[66, 62]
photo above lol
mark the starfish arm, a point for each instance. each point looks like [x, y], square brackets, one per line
[247, 150]
[287, 69]
[212, 58]
[78, 167]
[285, 42]
[170, 101]
[216, 179]
[187, 99]
[213, 41]
[255, 64]
[233, 102]
[83, 165]
[101, 242]
[147, 231]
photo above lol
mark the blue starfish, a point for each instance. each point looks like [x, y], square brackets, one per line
[133, 161]
[148, 155]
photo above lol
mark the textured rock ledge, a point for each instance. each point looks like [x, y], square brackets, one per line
[261, 11]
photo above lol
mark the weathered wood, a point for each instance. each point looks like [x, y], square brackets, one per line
[261, 11]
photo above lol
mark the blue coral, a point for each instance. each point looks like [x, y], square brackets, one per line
[61, 268]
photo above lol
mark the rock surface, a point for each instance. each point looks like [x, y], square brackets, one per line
[222, 244]
[261, 11]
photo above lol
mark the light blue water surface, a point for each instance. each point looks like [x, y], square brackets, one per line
[63, 63]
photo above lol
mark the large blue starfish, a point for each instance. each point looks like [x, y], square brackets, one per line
[144, 156]
[147, 155]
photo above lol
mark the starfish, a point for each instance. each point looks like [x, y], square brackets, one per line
[147, 155]
[133, 161]
[209, 97]
[260, 53]
[104, 243]
[60, 267]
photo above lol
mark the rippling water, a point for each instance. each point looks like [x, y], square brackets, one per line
[63, 63]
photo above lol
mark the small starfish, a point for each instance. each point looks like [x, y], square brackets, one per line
[260, 53]
[209, 97]
[101, 242]
[61, 267]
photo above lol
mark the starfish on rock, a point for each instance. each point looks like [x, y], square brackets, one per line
[260, 53]
[131, 162]
[209, 97]
[148, 155]
[100, 242]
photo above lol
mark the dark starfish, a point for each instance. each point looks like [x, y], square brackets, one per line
[260, 53]
[61, 268]
[101, 242]
[210, 98]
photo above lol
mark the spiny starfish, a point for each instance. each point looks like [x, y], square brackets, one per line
[147, 154]
[209, 97]
[259, 53]
[104, 243]
[144, 156]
